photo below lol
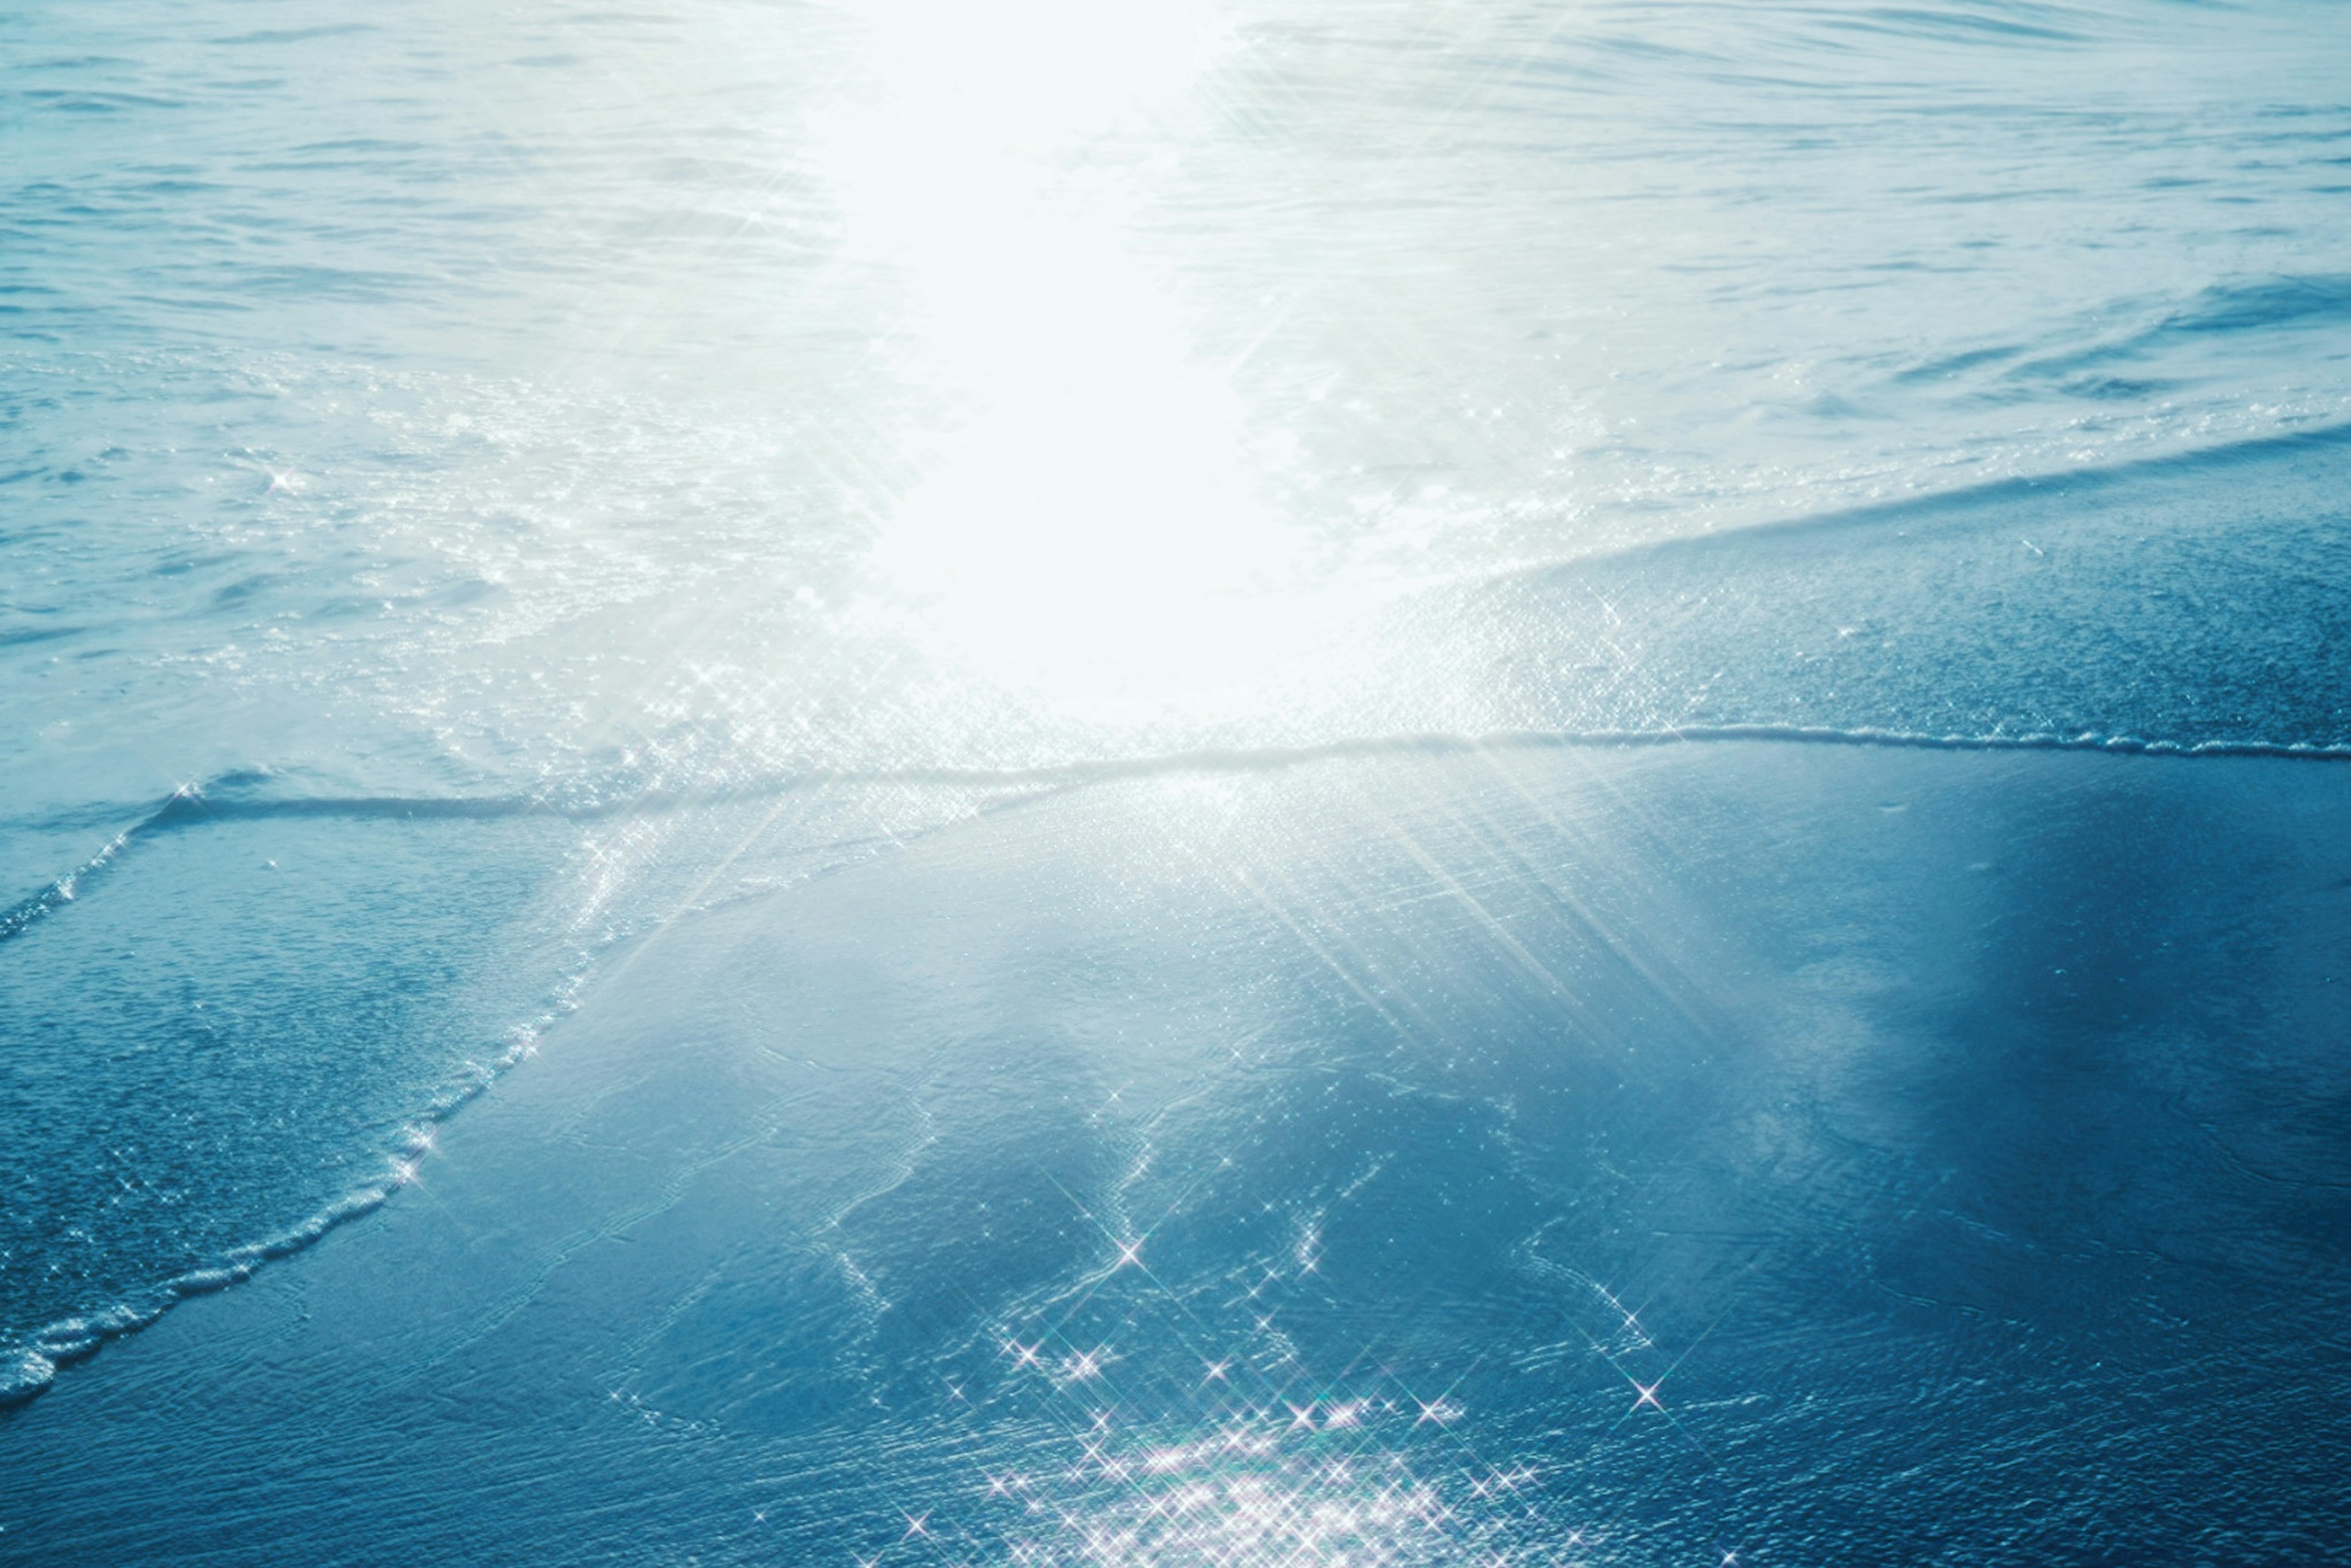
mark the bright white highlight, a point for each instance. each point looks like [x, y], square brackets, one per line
[1088, 531]
[1252, 1493]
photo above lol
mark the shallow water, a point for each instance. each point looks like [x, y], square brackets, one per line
[478, 486]
[1810, 1154]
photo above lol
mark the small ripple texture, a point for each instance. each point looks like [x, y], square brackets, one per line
[1228, 782]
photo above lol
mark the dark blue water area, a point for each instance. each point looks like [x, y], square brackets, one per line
[1796, 1154]
[221, 1023]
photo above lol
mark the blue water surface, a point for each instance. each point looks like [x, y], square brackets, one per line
[1582, 701]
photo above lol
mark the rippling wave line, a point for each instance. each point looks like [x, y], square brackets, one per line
[1982, 497]
[194, 805]
[30, 1367]
[72, 1339]
[63, 890]
[35, 1363]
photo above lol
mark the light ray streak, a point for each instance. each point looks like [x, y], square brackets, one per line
[1664, 978]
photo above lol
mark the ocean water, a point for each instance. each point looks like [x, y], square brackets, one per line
[1795, 1153]
[1592, 696]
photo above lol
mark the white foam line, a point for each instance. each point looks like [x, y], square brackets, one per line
[192, 804]
[28, 1370]
[62, 891]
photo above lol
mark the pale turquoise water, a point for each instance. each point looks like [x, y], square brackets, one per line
[476, 483]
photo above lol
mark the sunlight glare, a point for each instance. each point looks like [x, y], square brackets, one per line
[1089, 528]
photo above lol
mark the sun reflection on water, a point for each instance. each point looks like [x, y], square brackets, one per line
[1354, 1481]
[1089, 528]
